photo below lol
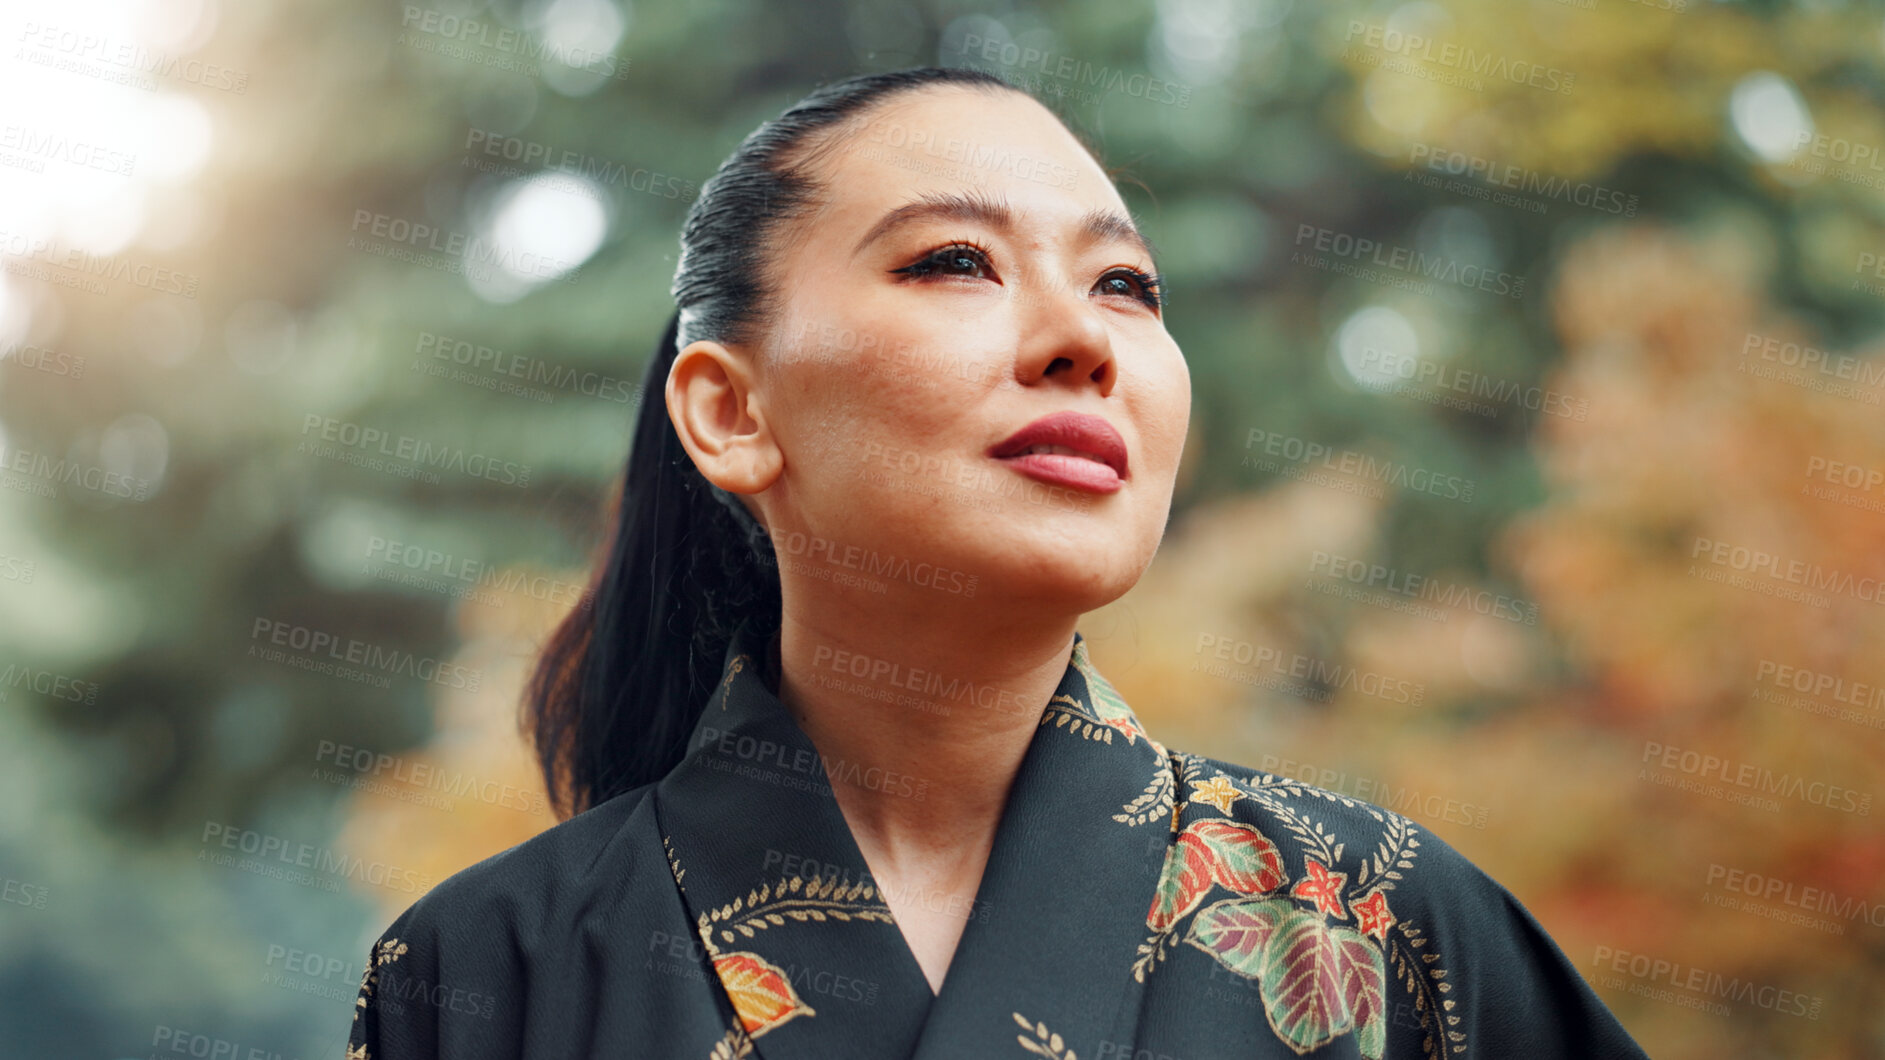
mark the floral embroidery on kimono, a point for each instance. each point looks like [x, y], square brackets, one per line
[1136, 900]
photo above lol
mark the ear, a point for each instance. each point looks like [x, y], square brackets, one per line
[720, 419]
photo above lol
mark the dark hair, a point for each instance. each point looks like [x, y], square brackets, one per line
[620, 684]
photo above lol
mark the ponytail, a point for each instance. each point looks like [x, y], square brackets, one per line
[619, 686]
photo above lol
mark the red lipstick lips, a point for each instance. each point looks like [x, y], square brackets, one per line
[1067, 449]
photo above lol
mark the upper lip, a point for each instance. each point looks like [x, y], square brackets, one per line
[1087, 435]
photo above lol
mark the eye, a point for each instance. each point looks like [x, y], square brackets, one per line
[956, 259]
[1131, 283]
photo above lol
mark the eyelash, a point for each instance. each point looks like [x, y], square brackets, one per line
[1150, 284]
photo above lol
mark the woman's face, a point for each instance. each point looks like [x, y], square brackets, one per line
[971, 271]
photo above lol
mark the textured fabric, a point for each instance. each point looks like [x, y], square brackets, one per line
[1138, 904]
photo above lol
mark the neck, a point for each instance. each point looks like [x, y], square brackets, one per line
[923, 717]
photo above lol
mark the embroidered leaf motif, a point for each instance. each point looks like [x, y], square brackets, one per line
[1242, 859]
[1300, 982]
[1317, 981]
[1189, 869]
[1154, 802]
[1362, 971]
[761, 994]
[1234, 931]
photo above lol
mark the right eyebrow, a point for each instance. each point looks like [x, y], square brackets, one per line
[973, 207]
[953, 206]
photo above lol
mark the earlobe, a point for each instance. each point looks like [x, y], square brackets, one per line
[719, 416]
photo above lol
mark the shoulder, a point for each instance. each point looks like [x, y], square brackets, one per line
[525, 887]
[1355, 845]
[450, 975]
[1457, 939]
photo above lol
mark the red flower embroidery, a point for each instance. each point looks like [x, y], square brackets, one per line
[1323, 888]
[1372, 913]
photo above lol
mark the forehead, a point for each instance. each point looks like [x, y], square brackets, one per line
[956, 139]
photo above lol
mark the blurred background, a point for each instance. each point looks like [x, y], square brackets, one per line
[1536, 487]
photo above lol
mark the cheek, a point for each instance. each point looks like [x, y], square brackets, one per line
[868, 414]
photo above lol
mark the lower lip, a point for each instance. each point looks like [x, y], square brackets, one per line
[1074, 472]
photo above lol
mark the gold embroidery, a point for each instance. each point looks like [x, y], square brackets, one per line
[1043, 1043]
[385, 951]
[674, 864]
[726, 684]
[1218, 791]
[798, 898]
[735, 1045]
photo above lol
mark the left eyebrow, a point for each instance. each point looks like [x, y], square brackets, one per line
[1096, 225]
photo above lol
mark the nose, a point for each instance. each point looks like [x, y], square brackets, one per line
[1063, 339]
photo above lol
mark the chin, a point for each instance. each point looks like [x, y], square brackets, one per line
[1071, 578]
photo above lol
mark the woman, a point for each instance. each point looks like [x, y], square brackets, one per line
[844, 780]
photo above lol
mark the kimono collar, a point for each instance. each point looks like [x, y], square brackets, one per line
[796, 930]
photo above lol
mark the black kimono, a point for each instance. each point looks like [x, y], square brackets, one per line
[1139, 904]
